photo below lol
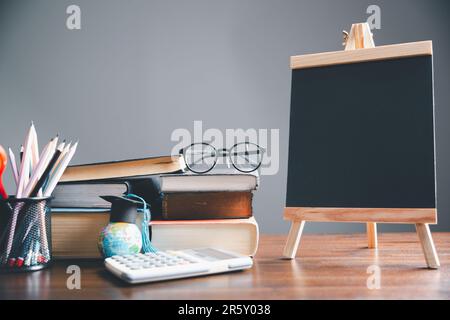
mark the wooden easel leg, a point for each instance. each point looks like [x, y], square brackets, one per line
[423, 231]
[372, 235]
[293, 239]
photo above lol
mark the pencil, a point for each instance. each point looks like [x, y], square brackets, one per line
[23, 177]
[43, 243]
[21, 153]
[48, 169]
[25, 165]
[58, 162]
[63, 154]
[45, 158]
[12, 160]
[43, 229]
[59, 172]
[34, 147]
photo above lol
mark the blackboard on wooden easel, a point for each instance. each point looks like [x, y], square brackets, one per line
[361, 143]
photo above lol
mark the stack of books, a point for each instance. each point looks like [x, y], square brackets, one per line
[188, 210]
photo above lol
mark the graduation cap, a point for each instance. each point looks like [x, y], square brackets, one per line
[122, 209]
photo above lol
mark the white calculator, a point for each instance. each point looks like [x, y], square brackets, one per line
[165, 265]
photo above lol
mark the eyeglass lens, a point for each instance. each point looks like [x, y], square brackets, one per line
[200, 157]
[246, 157]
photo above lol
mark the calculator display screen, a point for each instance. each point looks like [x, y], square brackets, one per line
[211, 254]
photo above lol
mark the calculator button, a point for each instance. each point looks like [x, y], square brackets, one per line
[136, 268]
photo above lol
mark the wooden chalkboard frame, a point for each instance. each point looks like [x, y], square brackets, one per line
[360, 48]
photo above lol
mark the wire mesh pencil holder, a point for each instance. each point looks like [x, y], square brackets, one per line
[25, 238]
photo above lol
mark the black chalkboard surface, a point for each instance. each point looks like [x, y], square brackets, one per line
[362, 135]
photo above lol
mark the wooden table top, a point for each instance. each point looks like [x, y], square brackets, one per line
[327, 267]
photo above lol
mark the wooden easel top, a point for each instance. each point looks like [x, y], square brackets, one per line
[404, 50]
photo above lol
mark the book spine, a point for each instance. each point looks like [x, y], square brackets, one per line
[207, 205]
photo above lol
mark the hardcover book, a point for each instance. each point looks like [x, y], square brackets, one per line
[75, 234]
[123, 169]
[207, 205]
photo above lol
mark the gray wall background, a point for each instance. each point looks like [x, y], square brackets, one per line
[139, 69]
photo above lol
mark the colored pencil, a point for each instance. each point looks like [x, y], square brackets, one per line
[35, 175]
[63, 154]
[58, 173]
[48, 169]
[12, 160]
[45, 159]
[23, 177]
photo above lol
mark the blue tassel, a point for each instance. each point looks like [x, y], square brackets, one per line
[147, 246]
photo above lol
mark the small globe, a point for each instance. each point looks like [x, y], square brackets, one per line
[120, 239]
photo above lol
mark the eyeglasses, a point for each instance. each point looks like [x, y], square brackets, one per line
[202, 157]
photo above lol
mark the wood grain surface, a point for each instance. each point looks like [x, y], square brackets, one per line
[403, 50]
[385, 215]
[326, 267]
